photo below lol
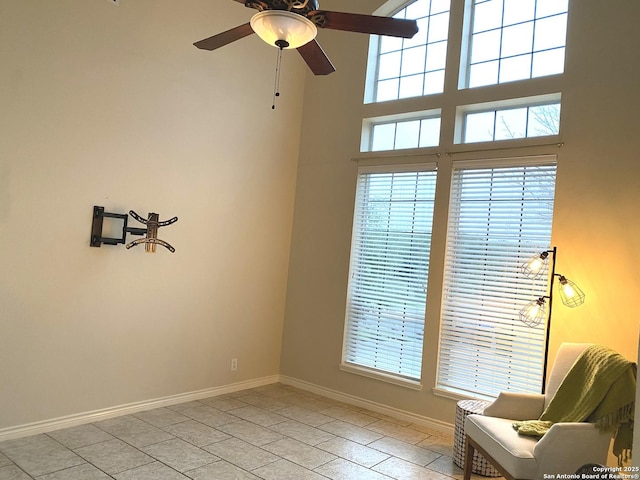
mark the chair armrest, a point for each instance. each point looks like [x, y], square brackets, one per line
[516, 406]
[567, 446]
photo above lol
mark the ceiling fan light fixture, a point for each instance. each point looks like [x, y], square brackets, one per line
[283, 29]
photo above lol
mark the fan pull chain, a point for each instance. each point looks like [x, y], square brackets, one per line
[281, 44]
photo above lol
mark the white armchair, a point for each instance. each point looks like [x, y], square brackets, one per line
[563, 449]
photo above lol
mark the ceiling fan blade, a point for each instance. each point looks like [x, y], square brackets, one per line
[316, 59]
[354, 22]
[225, 38]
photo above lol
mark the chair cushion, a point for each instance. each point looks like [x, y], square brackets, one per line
[513, 452]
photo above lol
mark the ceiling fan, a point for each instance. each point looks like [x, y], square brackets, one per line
[293, 24]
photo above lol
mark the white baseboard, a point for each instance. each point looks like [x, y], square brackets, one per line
[436, 425]
[44, 426]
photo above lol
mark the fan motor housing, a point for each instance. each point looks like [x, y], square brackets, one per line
[297, 6]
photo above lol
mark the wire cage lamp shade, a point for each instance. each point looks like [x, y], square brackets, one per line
[537, 311]
[570, 293]
[535, 267]
[534, 313]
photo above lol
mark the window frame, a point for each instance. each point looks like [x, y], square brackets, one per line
[498, 320]
[463, 111]
[455, 100]
[369, 124]
[464, 75]
[375, 54]
[350, 324]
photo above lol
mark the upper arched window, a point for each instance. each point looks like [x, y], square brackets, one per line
[496, 42]
[514, 40]
[413, 67]
[502, 41]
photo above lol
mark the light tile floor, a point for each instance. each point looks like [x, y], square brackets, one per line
[275, 432]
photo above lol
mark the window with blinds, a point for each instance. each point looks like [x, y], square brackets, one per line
[391, 241]
[499, 217]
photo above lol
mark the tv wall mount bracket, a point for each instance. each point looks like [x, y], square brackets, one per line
[150, 231]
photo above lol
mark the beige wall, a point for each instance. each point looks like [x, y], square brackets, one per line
[113, 106]
[595, 227]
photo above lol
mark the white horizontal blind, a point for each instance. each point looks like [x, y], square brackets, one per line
[499, 217]
[389, 267]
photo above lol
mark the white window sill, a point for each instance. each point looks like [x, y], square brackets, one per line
[383, 377]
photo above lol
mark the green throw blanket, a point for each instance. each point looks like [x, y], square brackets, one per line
[600, 388]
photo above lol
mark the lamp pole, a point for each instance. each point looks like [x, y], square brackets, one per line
[548, 327]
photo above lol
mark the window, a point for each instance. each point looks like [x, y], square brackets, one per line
[398, 135]
[414, 67]
[516, 40]
[389, 267]
[510, 123]
[498, 212]
[498, 215]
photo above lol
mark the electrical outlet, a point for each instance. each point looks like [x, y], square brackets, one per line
[234, 364]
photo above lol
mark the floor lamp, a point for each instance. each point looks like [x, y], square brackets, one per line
[536, 311]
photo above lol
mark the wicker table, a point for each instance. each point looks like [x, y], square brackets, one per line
[480, 465]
